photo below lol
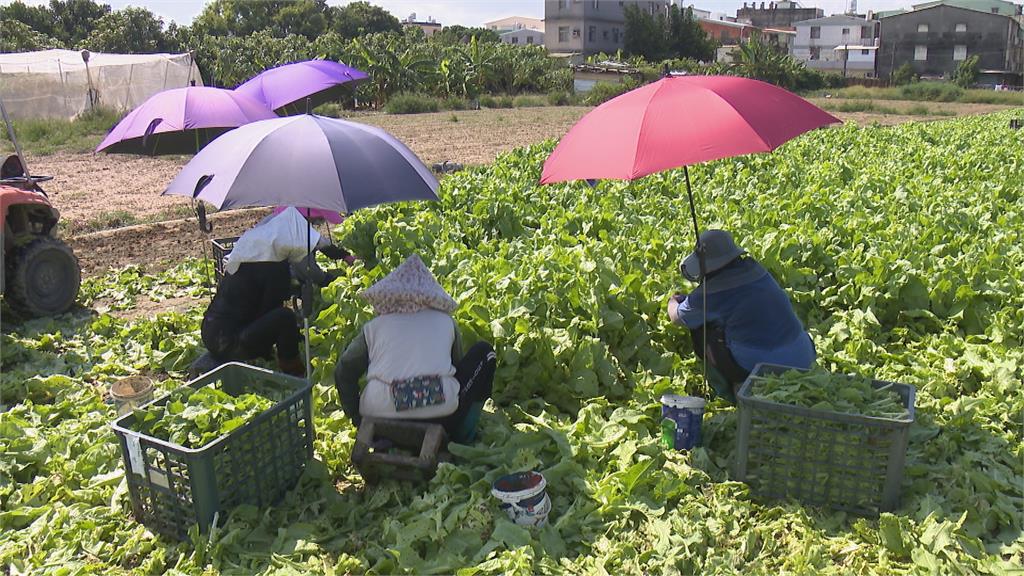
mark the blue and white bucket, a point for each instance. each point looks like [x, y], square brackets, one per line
[523, 498]
[681, 418]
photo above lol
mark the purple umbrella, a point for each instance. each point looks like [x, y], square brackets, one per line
[308, 161]
[318, 80]
[182, 121]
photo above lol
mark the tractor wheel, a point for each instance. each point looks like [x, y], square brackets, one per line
[45, 278]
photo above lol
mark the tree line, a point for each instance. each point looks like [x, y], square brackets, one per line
[233, 40]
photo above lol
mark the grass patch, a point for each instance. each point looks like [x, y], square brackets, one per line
[490, 101]
[931, 92]
[50, 135]
[122, 218]
[526, 101]
[409, 103]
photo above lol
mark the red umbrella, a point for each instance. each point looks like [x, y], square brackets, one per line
[679, 121]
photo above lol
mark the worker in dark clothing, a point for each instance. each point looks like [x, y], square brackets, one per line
[248, 318]
[749, 318]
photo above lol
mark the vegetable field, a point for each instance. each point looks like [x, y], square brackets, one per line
[901, 247]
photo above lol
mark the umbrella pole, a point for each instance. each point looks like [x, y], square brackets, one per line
[703, 267]
[307, 292]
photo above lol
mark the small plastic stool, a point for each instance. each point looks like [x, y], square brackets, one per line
[380, 443]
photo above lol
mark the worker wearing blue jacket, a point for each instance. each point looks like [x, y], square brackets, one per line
[749, 316]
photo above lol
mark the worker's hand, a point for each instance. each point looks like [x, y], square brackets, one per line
[673, 308]
[334, 252]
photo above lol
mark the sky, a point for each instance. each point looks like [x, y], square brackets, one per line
[474, 12]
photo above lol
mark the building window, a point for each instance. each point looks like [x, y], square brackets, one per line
[563, 4]
[563, 33]
[591, 32]
[846, 31]
[922, 27]
[815, 53]
[962, 27]
[865, 31]
[920, 52]
[865, 52]
[515, 40]
[815, 31]
[604, 34]
[615, 35]
[960, 52]
[995, 10]
[529, 39]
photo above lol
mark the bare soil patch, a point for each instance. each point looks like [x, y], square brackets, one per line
[157, 246]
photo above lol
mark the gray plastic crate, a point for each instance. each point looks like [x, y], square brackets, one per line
[841, 461]
[173, 487]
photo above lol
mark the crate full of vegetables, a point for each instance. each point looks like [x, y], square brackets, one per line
[829, 440]
[236, 435]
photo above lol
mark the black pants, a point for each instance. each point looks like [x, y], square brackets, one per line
[475, 373]
[721, 357]
[255, 340]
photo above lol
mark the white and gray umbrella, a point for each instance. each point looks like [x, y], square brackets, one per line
[308, 161]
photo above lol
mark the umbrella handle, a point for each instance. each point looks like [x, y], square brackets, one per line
[204, 225]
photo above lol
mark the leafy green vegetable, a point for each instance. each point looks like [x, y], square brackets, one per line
[901, 248]
[193, 418]
[821, 390]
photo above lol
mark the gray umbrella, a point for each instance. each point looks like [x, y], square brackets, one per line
[309, 161]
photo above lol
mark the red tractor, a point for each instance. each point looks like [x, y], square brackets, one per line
[39, 275]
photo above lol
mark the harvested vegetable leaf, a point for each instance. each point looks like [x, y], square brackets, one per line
[821, 390]
[194, 418]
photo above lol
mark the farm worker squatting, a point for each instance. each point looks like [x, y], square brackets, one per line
[247, 317]
[411, 354]
[749, 316]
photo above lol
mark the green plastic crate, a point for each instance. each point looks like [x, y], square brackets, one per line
[841, 461]
[173, 487]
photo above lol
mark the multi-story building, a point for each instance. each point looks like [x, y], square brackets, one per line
[522, 36]
[429, 26]
[843, 44]
[782, 15]
[509, 23]
[727, 32]
[937, 37]
[590, 26]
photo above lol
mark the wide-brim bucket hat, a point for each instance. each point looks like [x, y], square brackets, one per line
[719, 250]
[410, 287]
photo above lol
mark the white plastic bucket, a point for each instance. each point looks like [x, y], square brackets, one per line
[130, 393]
[523, 498]
[681, 421]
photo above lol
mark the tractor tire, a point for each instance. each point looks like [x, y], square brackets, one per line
[44, 279]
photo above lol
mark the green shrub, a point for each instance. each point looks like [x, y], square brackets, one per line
[489, 101]
[857, 106]
[410, 103]
[559, 98]
[453, 103]
[902, 75]
[932, 91]
[604, 91]
[331, 109]
[918, 110]
[525, 101]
